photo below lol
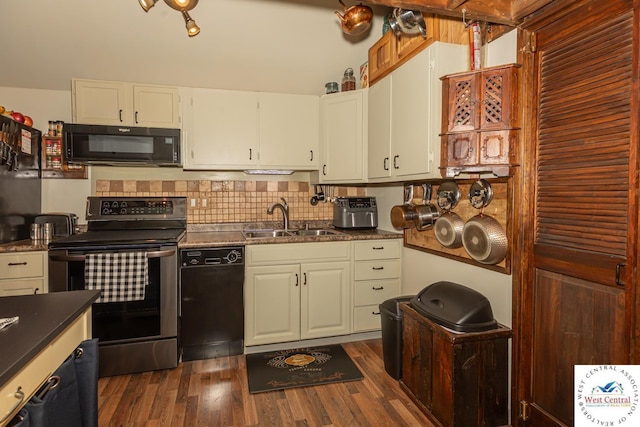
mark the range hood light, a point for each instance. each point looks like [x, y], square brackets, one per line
[268, 172]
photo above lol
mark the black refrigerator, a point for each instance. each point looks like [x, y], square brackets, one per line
[20, 172]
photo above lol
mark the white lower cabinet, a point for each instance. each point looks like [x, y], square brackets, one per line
[376, 279]
[23, 273]
[297, 291]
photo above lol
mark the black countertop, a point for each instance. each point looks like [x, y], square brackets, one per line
[42, 318]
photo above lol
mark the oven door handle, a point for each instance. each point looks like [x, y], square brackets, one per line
[74, 258]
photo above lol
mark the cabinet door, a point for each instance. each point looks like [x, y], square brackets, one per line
[325, 300]
[272, 304]
[461, 91]
[379, 157]
[496, 98]
[462, 149]
[411, 101]
[101, 103]
[155, 106]
[289, 131]
[381, 57]
[224, 130]
[343, 137]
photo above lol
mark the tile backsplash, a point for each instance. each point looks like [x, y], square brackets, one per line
[215, 202]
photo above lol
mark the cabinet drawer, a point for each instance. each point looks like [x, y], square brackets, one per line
[368, 292]
[377, 249]
[19, 265]
[297, 252]
[380, 269]
[366, 318]
[30, 286]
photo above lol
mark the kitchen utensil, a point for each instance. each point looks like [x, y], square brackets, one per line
[426, 212]
[356, 19]
[480, 194]
[484, 239]
[448, 227]
[404, 216]
[405, 21]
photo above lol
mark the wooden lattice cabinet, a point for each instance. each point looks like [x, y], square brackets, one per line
[480, 124]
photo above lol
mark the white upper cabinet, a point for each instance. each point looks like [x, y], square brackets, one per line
[405, 115]
[343, 136]
[130, 104]
[221, 129]
[379, 159]
[232, 130]
[289, 131]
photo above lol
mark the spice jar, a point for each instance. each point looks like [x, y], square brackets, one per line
[331, 87]
[348, 80]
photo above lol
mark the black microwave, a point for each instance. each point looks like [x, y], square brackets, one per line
[121, 145]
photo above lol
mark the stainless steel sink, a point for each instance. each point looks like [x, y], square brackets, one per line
[265, 234]
[316, 232]
[268, 234]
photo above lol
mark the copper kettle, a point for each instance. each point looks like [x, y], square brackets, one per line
[356, 19]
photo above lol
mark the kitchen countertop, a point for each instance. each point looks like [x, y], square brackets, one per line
[216, 236]
[42, 318]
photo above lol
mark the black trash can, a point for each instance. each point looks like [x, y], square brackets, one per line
[391, 323]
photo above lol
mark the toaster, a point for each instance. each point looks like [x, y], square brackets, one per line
[355, 213]
[64, 224]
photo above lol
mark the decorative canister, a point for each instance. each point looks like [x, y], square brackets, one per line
[331, 87]
[348, 80]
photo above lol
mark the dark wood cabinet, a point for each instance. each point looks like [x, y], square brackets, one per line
[457, 379]
[480, 121]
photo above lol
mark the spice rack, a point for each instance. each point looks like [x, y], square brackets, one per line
[53, 163]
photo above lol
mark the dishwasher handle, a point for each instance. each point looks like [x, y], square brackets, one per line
[81, 257]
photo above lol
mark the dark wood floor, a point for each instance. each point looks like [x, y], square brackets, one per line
[214, 392]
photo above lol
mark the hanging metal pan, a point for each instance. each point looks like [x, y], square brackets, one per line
[484, 239]
[448, 227]
[448, 230]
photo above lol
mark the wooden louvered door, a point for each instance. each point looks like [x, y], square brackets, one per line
[575, 291]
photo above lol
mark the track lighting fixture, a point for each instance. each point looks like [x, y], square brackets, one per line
[182, 6]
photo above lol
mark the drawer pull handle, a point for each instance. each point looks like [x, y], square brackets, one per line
[375, 313]
[377, 268]
[378, 289]
[296, 279]
[377, 248]
[19, 394]
[13, 264]
[305, 279]
[35, 291]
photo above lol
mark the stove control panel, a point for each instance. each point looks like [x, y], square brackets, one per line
[197, 257]
[135, 208]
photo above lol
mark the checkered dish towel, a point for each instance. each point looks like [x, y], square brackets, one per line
[121, 276]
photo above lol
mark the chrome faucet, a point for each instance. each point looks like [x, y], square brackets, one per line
[284, 207]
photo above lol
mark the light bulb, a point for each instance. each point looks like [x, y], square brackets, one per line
[192, 27]
[147, 4]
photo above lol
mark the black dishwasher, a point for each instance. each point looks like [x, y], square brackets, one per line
[211, 302]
